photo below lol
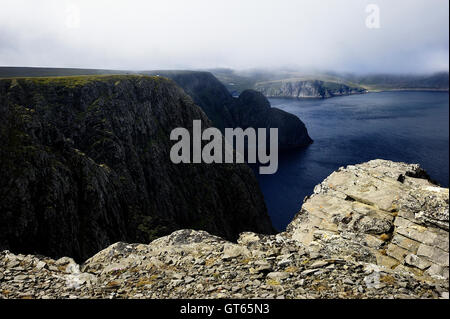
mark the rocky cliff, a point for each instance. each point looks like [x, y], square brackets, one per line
[385, 213]
[375, 230]
[85, 163]
[306, 89]
[207, 92]
[251, 109]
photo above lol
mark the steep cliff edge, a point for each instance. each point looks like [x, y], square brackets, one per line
[306, 89]
[251, 109]
[381, 212]
[331, 249]
[206, 91]
[85, 163]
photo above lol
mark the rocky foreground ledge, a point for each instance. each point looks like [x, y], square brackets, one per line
[374, 230]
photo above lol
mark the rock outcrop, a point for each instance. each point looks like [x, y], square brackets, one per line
[382, 212]
[251, 109]
[84, 163]
[306, 89]
[332, 249]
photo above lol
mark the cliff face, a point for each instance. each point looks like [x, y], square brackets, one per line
[207, 92]
[375, 230]
[251, 109]
[85, 163]
[306, 89]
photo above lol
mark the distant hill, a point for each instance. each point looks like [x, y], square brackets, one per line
[438, 81]
[307, 88]
[288, 83]
[238, 81]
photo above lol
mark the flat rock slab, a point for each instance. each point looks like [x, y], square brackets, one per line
[387, 210]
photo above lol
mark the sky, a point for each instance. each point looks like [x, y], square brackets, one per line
[359, 36]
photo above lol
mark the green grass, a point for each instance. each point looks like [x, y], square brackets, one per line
[9, 72]
[81, 80]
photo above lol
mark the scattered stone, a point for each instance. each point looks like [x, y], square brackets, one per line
[278, 275]
[263, 266]
[362, 234]
[319, 264]
[284, 262]
[40, 265]
[309, 272]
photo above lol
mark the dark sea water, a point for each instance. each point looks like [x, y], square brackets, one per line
[409, 127]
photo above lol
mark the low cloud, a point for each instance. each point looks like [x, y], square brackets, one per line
[328, 34]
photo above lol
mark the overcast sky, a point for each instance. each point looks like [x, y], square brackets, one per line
[396, 36]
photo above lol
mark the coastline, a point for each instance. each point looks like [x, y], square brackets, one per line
[357, 93]
[408, 90]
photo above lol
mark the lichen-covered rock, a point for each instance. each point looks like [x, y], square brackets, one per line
[195, 264]
[352, 259]
[85, 162]
[379, 211]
